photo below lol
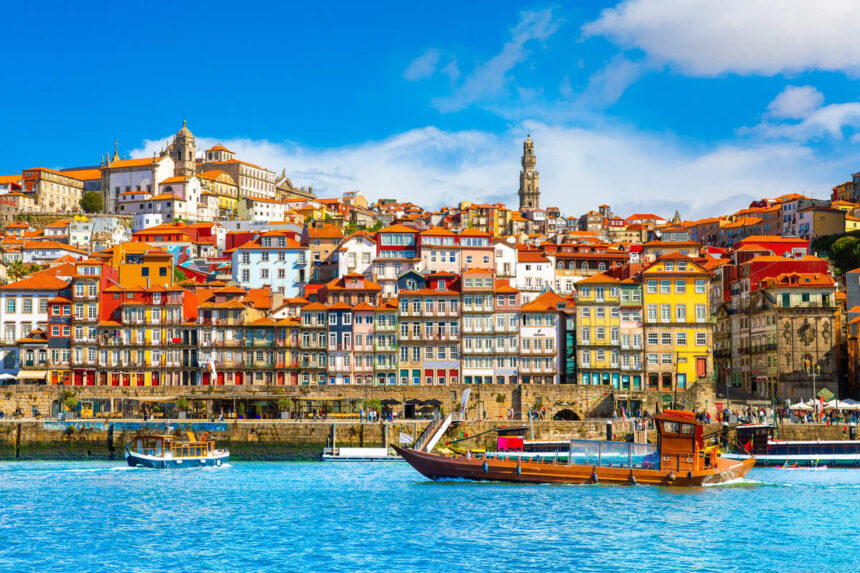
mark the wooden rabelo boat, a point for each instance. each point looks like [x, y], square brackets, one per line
[680, 458]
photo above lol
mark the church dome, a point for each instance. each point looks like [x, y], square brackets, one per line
[185, 131]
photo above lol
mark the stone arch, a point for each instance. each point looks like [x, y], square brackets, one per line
[566, 414]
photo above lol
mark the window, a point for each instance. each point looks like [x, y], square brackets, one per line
[680, 286]
[652, 358]
[586, 312]
[700, 286]
[666, 358]
[652, 313]
[665, 313]
[651, 286]
[28, 305]
[681, 338]
[666, 338]
[665, 286]
[700, 313]
[680, 313]
[653, 338]
[11, 305]
[701, 338]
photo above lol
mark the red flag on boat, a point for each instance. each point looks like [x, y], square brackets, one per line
[748, 446]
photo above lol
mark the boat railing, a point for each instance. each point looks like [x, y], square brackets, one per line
[428, 431]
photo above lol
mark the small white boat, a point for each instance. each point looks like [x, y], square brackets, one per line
[167, 452]
[358, 455]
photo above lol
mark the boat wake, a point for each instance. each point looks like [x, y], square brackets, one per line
[734, 483]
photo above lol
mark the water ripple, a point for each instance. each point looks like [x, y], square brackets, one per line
[385, 517]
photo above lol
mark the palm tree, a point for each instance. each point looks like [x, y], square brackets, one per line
[17, 270]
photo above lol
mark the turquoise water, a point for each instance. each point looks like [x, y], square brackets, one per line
[387, 518]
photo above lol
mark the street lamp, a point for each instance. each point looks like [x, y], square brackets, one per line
[813, 371]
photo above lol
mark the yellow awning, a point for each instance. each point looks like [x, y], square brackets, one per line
[32, 374]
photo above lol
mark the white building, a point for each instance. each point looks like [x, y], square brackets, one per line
[272, 260]
[143, 221]
[505, 259]
[260, 209]
[24, 308]
[43, 252]
[534, 272]
[356, 254]
[126, 175]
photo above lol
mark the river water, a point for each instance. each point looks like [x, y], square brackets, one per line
[100, 516]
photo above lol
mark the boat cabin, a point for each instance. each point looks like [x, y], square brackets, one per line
[681, 442]
[168, 445]
[754, 438]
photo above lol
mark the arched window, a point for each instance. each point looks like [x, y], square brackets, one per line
[601, 267]
[571, 265]
[560, 266]
[584, 266]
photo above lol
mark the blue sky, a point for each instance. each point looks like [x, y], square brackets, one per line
[651, 105]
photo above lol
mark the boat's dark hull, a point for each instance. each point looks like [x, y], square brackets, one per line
[436, 466]
[137, 460]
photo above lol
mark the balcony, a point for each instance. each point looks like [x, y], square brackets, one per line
[441, 336]
[541, 351]
[541, 369]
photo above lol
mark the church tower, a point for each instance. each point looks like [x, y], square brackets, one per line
[529, 178]
[183, 152]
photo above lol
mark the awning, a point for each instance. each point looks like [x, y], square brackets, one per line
[7, 376]
[151, 398]
[32, 375]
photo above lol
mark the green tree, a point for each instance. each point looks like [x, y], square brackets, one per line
[92, 202]
[845, 253]
[16, 270]
[376, 226]
[179, 276]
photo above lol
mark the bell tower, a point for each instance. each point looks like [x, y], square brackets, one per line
[529, 191]
[183, 152]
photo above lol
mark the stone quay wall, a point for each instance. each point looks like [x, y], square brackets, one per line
[259, 440]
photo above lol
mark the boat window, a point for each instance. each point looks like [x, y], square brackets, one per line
[670, 427]
[689, 429]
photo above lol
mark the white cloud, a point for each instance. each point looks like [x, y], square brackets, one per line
[797, 114]
[828, 121]
[607, 85]
[423, 66]
[490, 78]
[795, 102]
[579, 167]
[766, 37]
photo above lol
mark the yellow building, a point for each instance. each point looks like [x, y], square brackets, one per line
[224, 188]
[676, 322]
[598, 300]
